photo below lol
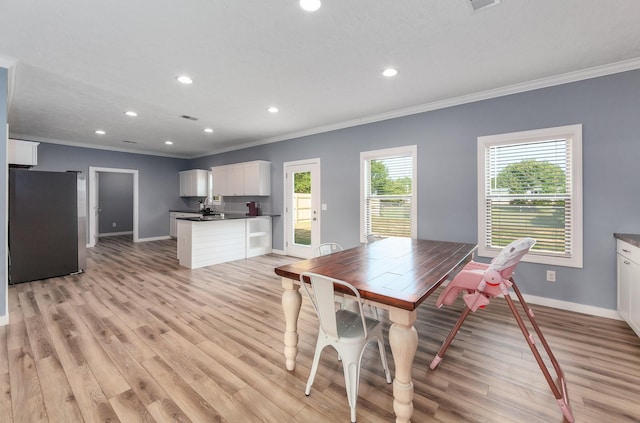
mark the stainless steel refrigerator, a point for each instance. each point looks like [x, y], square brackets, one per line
[47, 224]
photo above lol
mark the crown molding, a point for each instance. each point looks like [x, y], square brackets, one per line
[551, 81]
[594, 72]
[94, 147]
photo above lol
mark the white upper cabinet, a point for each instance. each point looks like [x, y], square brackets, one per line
[257, 178]
[242, 179]
[193, 183]
[219, 180]
[22, 153]
[235, 180]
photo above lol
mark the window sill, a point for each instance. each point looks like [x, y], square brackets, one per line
[575, 261]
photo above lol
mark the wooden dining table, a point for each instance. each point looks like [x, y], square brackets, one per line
[396, 274]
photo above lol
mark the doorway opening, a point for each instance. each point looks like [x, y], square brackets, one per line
[94, 206]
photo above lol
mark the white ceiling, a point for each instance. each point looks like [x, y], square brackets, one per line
[80, 64]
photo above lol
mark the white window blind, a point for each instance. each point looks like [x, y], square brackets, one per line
[389, 193]
[530, 190]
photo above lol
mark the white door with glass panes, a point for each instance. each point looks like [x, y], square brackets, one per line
[302, 207]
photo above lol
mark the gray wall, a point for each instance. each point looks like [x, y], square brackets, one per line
[158, 182]
[4, 271]
[115, 200]
[609, 109]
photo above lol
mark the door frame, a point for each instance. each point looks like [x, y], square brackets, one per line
[93, 201]
[316, 201]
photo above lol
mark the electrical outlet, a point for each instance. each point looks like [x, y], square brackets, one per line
[113, 224]
[551, 275]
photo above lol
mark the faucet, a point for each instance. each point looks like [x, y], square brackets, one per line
[212, 210]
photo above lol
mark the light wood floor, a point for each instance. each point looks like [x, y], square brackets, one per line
[138, 338]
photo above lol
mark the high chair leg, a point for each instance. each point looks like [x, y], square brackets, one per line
[438, 358]
[559, 390]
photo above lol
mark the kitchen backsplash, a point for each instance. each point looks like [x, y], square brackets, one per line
[230, 204]
[239, 204]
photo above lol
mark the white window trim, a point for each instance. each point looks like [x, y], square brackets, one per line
[572, 132]
[390, 152]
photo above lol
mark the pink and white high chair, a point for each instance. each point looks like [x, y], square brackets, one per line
[480, 282]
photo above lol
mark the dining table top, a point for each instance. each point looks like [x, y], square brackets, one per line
[398, 272]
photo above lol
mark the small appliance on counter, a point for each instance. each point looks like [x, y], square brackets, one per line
[208, 212]
[254, 208]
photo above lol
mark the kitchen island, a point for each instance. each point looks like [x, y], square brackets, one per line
[208, 240]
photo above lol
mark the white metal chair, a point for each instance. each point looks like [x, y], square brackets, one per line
[480, 282]
[346, 331]
[324, 250]
[328, 248]
[371, 238]
[333, 247]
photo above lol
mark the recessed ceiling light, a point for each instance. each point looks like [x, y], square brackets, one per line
[185, 79]
[168, 142]
[131, 113]
[208, 130]
[272, 109]
[310, 5]
[100, 132]
[389, 72]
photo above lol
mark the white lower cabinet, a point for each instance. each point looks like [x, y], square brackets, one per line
[204, 243]
[628, 270]
[634, 294]
[258, 236]
[173, 228]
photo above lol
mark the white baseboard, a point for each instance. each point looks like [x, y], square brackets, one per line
[4, 320]
[115, 234]
[155, 238]
[578, 308]
[565, 305]
[548, 302]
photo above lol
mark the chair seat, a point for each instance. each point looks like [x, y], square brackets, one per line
[350, 324]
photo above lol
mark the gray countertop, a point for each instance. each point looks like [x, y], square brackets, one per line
[633, 239]
[227, 216]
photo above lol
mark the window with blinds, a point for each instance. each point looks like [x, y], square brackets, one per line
[531, 186]
[388, 206]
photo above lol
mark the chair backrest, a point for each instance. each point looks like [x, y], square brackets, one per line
[374, 237]
[505, 262]
[328, 248]
[322, 299]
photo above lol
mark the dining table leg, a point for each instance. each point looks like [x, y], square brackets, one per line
[403, 339]
[291, 303]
